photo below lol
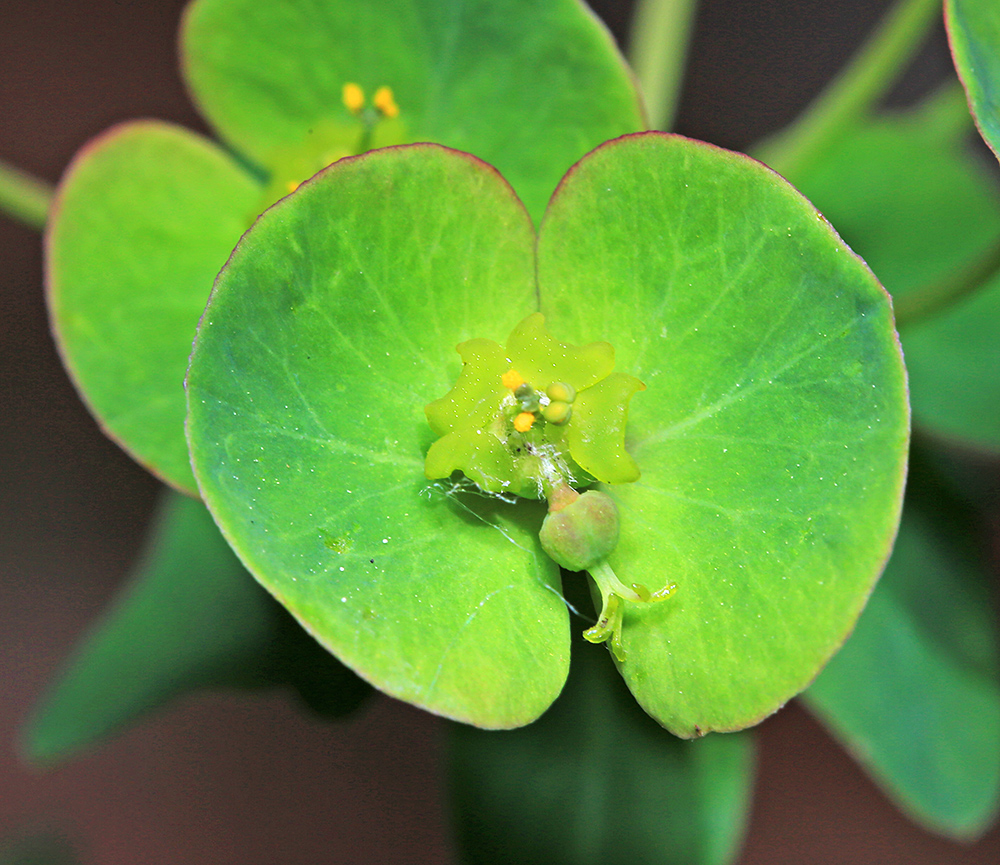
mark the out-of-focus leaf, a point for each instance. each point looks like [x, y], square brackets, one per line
[917, 206]
[595, 780]
[915, 692]
[974, 35]
[144, 218]
[528, 85]
[954, 365]
[192, 617]
[972, 475]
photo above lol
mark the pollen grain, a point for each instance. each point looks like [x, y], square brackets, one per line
[354, 97]
[512, 379]
[524, 421]
[383, 100]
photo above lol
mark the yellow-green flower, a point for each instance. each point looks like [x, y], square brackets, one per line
[527, 417]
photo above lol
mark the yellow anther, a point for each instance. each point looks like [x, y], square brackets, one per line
[354, 97]
[384, 102]
[523, 422]
[512, 379]
[293, 185]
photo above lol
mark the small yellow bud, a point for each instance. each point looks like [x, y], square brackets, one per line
[523, 422]
[512, 379]
[385, 103]
[354, 97]
[557, 412]
[292, 185]
[561, 391]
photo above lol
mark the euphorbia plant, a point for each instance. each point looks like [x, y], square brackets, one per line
[680, 356]
[335, 323]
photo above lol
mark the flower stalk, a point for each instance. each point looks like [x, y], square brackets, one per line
[23, 197]
[853, 93]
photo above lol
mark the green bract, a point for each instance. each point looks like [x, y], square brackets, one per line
[771, 437]
[521, 419]
[148, 212]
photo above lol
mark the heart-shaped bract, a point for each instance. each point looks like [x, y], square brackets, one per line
[771, 438]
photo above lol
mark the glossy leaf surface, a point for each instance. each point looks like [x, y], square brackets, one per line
[191, 617]
[915, 692]
[771, 436]
[145, 217]
[974, 35]
[527, 85]
[596, 780]
[918, 207]
[330, 329]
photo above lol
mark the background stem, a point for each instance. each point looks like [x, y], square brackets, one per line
[658, 41]
[23, 197]
[945, 115]
[936, 297]
[850, 95]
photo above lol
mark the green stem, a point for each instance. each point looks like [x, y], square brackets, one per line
[855, 90]
[658, 42]
[939, 295]
[24, 197]
[944, 114]
[608, 582]
[366, 137]
[614, 593]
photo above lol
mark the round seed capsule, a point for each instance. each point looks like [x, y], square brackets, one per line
[582, 533]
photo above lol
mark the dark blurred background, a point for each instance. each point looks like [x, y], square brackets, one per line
[228, 779]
